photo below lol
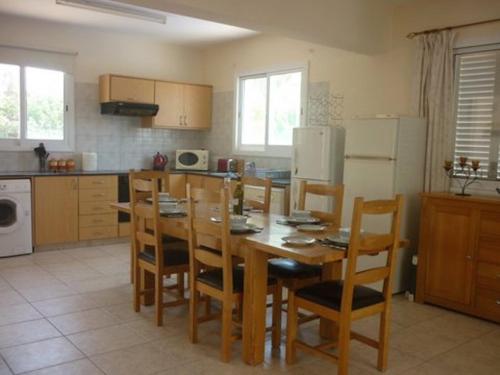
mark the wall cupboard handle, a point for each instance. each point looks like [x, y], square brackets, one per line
[98, 195]
[99, 182]
[468, 257]
[498, 301]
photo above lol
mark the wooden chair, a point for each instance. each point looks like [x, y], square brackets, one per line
[335, 191]
[150, 252]
[212, 270]
[266, 183]
[292, 274]
[348, 300]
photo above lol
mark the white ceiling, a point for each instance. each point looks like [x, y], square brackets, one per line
[178, 29]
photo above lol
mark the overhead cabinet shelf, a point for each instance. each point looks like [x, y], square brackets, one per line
[181, 105]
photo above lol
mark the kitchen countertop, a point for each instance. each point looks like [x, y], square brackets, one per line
[280, 183]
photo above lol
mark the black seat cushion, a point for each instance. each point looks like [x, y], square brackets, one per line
[291, 269]
[173, 255]
[329, 294]
[214, 278]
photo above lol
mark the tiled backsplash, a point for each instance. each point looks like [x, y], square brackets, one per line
[121, 143]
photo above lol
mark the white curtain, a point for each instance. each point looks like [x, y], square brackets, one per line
[434, 101]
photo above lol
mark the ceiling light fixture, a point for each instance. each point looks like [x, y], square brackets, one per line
[114, 7]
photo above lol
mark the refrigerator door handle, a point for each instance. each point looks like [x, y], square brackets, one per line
[368, 157]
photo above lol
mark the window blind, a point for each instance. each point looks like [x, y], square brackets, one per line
[477, 90]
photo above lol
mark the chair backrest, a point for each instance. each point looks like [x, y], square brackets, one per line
[203, 205]
[145, 216]
[335, 191]
[266, 183]
[372, 244]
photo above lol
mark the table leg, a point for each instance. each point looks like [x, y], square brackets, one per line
[331, 271]
[254, 307]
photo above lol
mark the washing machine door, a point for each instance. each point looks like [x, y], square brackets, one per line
[11, 217]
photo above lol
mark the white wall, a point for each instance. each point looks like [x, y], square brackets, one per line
[102, 52]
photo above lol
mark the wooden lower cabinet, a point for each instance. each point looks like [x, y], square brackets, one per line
[55, 210]
[459, 254]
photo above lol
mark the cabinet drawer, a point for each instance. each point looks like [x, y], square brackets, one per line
[490, 224]
[98, 220]
[93, 182]
[488, 275]
[92, 208]
[94, 233]
[92, 195]
[488, 249]
[488, 303]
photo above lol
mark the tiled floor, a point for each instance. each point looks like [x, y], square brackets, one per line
[69, 312]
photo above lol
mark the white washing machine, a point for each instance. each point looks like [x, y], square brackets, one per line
[15, 217]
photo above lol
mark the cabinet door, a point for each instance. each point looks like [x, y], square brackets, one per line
[169, 96]
[132, 89]
[213, 183]
[196, 181]
[177, 185]
[198, 106]
[449, 252]
[56, 210]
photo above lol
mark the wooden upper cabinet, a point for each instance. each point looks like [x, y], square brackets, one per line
[449, 258]
[169, 96]
[126, 89]
[56, 210]
[198, 106]
[182, 106]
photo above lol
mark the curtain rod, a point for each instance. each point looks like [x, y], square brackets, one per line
[39, 50]
[414, 34]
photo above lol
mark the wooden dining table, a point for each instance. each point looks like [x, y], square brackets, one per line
[255, 249]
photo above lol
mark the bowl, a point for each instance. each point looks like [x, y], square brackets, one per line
[238, 220]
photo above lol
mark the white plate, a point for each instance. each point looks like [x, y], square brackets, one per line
[311, 227]
[244, 228]
[298, 240]
[163, 199]
[338, 240]
[302, 220]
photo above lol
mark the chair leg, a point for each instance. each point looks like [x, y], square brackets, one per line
[383, 339]
[277, 300]
[291, 328]
[227, 323]
[180, 285]
[137, 288]
[159, 298]
[193, 315]
[344, 343]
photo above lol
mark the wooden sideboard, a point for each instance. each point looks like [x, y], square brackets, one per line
[459, 254]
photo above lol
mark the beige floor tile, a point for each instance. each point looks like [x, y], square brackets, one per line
[82, 321]
[100, 283]
[9, 297]
[13, 262]
[147, 328]
[102, 340]
[73, 271]
[125, 313]
[40, 354]
[111, 296]
[108, 265]
[18, 313]
[4, 285]
[65, 305]
[46, 292]
[51, 257]
[4, 369]
[26, 332]
[410, 313]
[80, 367]
[141, 359]
[27, 277]
[86, 252]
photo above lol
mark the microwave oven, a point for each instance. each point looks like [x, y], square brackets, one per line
[194, 160]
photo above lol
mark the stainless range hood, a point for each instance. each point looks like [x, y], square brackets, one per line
[129, 109]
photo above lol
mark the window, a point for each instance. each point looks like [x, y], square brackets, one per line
[477, 106]
[36, 101]
[270, 105]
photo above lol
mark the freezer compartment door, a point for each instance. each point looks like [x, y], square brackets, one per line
[311, 153]
[375, 138]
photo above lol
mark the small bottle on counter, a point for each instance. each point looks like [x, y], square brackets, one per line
[238, 199]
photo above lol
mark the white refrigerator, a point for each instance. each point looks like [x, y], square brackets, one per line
[384, 157]
[317, 157]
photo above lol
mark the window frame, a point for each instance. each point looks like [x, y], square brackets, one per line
[266, 149]
[67, 144]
